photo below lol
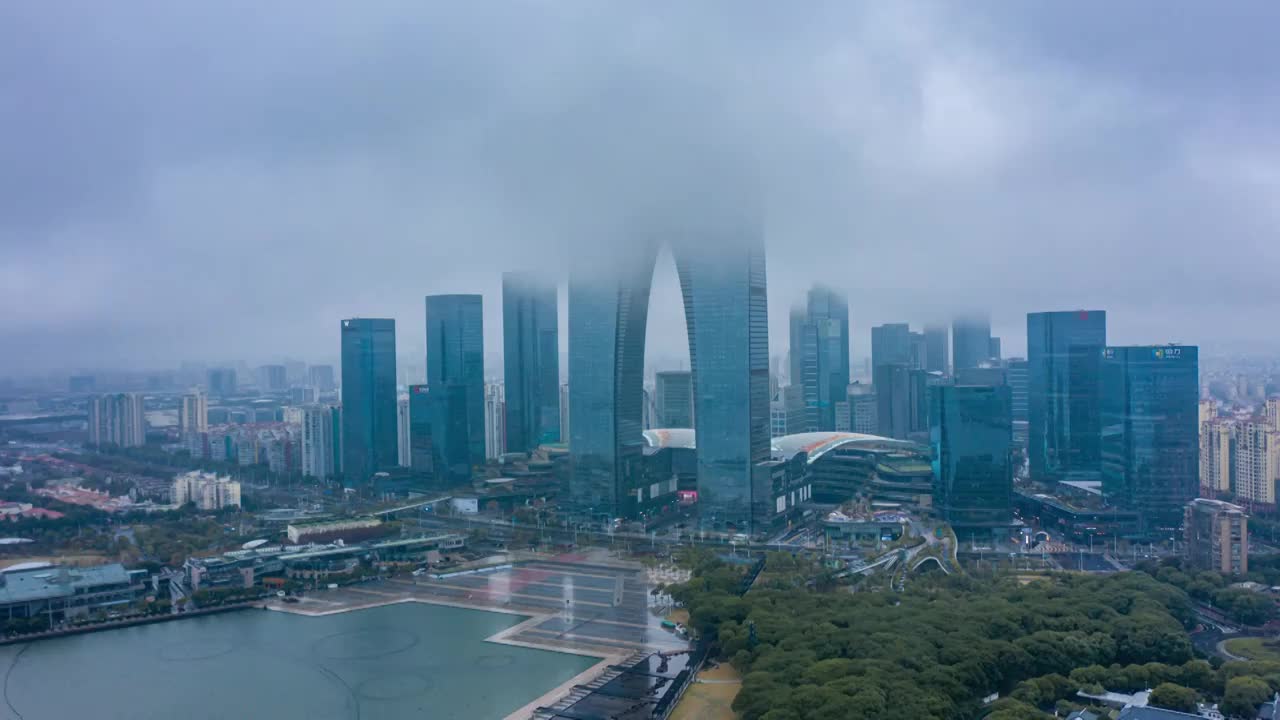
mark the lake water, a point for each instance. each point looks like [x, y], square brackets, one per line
[399, 661]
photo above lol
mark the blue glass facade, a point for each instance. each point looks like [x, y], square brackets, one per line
[438, 434]
[455, 357]
[368, 397]
[820, 354]
[935, 342]
[726, 316]
[531, 362]
[890, 345]
[971, 434]
[1150, 432]
[970, 341]
[607, 318]
[1064, 393]
[726, 310]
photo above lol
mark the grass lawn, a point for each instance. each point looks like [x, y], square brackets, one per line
[1254, 648]
[711, 697]
[679, 615]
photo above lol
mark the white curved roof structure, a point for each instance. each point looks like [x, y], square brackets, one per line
[816, 444]
[680, 438]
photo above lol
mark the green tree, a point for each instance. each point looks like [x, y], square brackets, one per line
[1174, 697]
[1243, 695]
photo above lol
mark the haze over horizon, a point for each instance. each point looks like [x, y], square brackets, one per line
[216, 182]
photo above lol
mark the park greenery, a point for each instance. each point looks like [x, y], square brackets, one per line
[946, 643]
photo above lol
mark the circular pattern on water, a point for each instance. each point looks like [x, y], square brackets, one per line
[492, 662]
[364, 644]
[394, 687]
[196, 650]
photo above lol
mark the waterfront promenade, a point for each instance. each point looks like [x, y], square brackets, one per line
[583, 605]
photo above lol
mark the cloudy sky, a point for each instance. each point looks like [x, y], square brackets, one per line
[213, 181]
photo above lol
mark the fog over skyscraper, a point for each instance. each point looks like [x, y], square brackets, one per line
[531, 362]
[722, 283]
[820, 354]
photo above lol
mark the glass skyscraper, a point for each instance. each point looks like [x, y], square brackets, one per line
[438, 434]
[1064, 393]
[368, 397]
[820, 354]
[674, 390]
[531, 362]
[890, 345]
[971, 434]
[1150, 432]
[724, 290]
[455, 357]
[970, 340]
[935, 348]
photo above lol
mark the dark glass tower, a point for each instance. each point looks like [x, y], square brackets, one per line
[368, 397]
[438, 434]
[531, 362]
[1064, 393]
[971, 435]
[455, 357]
[893, 400]
[890, 345]
[935, 348]
[971, 341]
[1150, 432]
[726, 315]
[820, 354]
[674, 399]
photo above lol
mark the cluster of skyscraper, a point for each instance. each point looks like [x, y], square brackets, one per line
[1122, 416]
[439, 430]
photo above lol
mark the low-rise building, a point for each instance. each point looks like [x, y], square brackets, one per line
[207, 490]
[60, 593]
[345, 529]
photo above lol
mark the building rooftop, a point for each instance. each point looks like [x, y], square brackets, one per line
[49, 582]
[816, 444]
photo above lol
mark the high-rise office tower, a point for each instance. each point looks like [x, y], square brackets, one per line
[1017, 377]
[1273, 413]
[439, 438]
[673, 391]
[368, 397]
[1217, 536]
[971, 435]
[970, 340]
[117, 419]
[993, 351]
[1063, 393]
[935, 348]
[1150, 441]
[402, 431]
[321, 377]
[920, 383]
[194, 415]
[272, 378]
[222, 382]
[455, 356]
[919, 351]
[893, 400]
[564, 412]
[890, 345]
[1256, 462]
[820, 353]
[495, 419]
[863, 413]
[321, 433]
[531, 362]
[724, 289]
